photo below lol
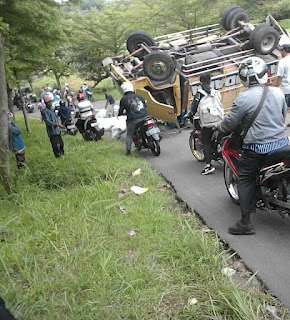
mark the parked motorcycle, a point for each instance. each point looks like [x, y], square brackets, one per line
[70, 127]
[195, 143]
[29, 107]
[273, 180]
[148, 136]
[87, 123]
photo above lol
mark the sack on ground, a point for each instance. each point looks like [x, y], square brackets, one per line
[210, 109]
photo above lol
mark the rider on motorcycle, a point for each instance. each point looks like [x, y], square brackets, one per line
[206, 132]
[266, 134]
[135, 107]
[64, 113]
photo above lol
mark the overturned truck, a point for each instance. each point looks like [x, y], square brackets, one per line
[165, 70]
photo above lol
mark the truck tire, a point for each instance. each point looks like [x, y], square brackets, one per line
[264, 39]
[234, 17]
[225, 15]
[136, 38]
[158, 66]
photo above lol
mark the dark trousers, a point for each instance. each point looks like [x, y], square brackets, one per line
[132, 126]
[249, 166]
[4, 313]
[20, 159]
[206, 134]
[57, 145]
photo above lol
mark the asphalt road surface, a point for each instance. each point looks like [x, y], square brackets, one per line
[267, 252]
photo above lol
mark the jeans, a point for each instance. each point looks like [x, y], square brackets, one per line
[249, 166]
[206, 134]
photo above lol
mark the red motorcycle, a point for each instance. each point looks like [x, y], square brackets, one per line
[273, 180]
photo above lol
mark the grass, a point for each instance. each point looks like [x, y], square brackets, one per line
[68, 254]
[75, 83]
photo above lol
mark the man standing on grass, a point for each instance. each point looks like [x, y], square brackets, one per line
[53, 127]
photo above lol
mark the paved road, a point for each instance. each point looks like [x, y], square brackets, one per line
[267, 252]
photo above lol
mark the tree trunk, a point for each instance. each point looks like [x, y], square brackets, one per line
[57, 78]
[10, 102]
[4, 138]
[30, 83]
[24, 109]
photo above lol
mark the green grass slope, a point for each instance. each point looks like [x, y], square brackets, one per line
[69, 253]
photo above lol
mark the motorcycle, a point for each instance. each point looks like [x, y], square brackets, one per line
[195, 143]
[70, 127]
[272, 183]
[29, 107]
[148, 136]
[87, 123]
[89, 95]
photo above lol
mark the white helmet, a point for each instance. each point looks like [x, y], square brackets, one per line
[66, 84]
[252, 71]
[127, 87]
[48, 97]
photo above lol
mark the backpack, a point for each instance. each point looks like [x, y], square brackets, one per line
[210, 109]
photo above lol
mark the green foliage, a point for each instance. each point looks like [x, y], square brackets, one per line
[68, 254]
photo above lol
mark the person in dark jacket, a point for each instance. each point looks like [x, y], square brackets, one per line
[16, 142]
[136, 111]
[64, 113]
[53, 127]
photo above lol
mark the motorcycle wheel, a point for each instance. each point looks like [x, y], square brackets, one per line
[154, 147]
[231, 182]
[196, 147]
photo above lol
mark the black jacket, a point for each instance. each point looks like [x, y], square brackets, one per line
[134, 105]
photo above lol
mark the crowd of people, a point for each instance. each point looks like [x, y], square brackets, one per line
[265, 135]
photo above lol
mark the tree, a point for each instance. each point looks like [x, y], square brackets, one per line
[95, 36]
[4, 142]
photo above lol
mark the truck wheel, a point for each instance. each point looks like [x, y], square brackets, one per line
[264, 39]
[136, 38]
[225, 15]
[158, 66]
[234, 17]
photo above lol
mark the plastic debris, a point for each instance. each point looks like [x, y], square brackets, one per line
[132, 232]
[273, 310]
[136, 172]
[139, 190]
[123, 210]
[192, 301]
[226, 271]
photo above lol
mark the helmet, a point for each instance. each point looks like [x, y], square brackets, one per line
[85, 83]
[127, 87]
[81, 96]
[252, 71]
[285, 47]
[10, 115]
[48, 97]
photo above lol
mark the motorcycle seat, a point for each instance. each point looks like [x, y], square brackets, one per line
[279, 155]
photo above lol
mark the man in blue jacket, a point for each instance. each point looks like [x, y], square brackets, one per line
[52, 126]
[16, 142]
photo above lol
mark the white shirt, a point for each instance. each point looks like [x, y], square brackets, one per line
[284, 72]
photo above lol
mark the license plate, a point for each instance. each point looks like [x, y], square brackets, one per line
[152, 131]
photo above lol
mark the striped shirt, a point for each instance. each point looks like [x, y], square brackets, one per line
[262, 148]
